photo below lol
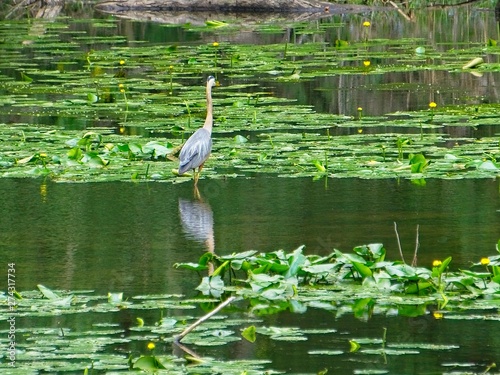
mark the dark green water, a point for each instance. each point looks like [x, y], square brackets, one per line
[126, 236]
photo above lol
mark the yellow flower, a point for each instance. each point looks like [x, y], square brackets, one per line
[485, 261]
[366, 24]
[366, 63]
[215, 44]
[171, 67]
[360, 109]
[151, 345]
[122, 62]
[437, 315]
[436, 263]
[432, 105]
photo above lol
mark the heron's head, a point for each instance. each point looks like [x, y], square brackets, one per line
[211, 81]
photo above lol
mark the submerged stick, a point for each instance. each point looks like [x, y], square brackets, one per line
[203, 318]
[417, 245]
[399, 242]
[408, 18]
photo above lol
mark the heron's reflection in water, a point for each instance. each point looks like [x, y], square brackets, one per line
[198, 222]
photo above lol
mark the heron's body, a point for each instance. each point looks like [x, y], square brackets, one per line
[197, 148]
[195, 151]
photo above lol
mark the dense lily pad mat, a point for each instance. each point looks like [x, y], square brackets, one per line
[362, 283]
[142, 101]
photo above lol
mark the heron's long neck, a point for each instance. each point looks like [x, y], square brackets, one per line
[209, 119]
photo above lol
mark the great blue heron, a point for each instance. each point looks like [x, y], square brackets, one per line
[197, 148]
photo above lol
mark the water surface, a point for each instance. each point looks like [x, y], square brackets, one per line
[127, 236]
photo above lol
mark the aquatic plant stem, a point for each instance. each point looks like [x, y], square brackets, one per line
[205, 317]
[384, 338]
[399, 242]
[417, 245]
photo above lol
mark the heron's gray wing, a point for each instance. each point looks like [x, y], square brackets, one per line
[195, 151]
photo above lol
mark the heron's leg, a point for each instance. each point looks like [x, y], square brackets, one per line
[197, 174]
[197, 194]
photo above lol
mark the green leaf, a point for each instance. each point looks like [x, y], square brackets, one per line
[221, 268]
[350, 258]
[354, 346]
[156, 150]
[148, 363]
[437, 271]
[400, 270]
[135, 148]
[213, 23]
[418, 163]
[488, 165]
[242, 255]
[47, 293]
[495, 270]
[213, 286]
[249, 334]
[412, 311]
[26, 78]
[191, 266]
[318, 269]
[296, 261]
[115, 298]
[75, 153]
[496, 279]
[473, 63]
[415, 288]
[92, 98]
[262, 280]
[240, 139]
[319, 166]
[363, 270]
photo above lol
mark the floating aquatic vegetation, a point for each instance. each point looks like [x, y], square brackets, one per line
[141, 91]
[361, 283]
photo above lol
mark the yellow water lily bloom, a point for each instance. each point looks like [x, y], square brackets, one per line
[485, 261]
[436, 263]
[437, 315]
